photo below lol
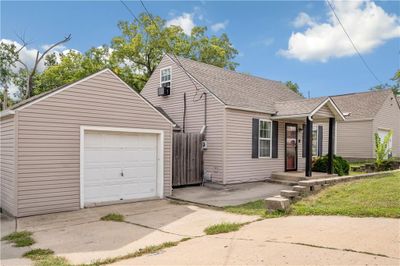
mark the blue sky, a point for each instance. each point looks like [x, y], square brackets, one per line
[321, 59]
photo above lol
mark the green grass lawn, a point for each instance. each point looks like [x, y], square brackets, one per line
[116, 217]
[375, 197]
[372, 197]
[20, 239]
[222, 228]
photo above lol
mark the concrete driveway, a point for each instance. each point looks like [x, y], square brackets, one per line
[228, 195]
[312, 240]
[81, 237]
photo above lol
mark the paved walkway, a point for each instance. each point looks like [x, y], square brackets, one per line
[228, 195]
[312, 240]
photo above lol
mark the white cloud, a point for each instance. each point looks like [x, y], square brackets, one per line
[58, 48]
[185, 21]
[219, 26]
[303, 19]
[368, 25]
[26, 55]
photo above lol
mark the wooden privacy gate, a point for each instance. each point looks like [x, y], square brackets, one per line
[187, 159]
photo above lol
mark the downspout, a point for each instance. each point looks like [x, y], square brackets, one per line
[204, 128]
[205, 115]
[184, 112]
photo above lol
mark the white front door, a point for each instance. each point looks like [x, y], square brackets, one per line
[119, 166]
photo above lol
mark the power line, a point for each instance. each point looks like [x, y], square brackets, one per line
[130, 11]
[352, 43]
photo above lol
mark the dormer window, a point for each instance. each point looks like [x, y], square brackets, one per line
[165, 77]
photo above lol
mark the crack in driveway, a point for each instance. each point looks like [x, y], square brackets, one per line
[313, 246]
[161, 230]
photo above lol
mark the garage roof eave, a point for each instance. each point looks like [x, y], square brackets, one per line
[7, 112]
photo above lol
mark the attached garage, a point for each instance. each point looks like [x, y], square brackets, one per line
[90, 143]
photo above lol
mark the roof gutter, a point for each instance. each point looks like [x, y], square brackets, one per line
[291, 116]
[247, 109]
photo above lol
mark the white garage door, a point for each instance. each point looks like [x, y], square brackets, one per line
[119, 166]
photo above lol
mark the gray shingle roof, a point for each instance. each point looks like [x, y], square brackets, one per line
[237, 89]
[297, 107]
[363, 105]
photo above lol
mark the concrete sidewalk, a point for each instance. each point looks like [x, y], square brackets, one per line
[228, 195]
[312, 240]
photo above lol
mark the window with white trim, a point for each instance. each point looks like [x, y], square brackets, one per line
[265, 138]
[165, 77]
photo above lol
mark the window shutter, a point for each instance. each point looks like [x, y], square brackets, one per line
[255, 135]
[320, 139]
[275, 126]
[304, 141]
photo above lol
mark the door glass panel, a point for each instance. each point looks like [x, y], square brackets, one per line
[291, 147]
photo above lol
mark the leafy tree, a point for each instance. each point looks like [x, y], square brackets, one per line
[32, 71]
[8, 60]
[71, 67]
[10, 101]
[294, 87]
[394, 87]
[382, 149]
[133, 56]
[142, 44]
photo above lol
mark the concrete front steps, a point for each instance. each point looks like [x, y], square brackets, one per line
[305, 187]
[293, 177]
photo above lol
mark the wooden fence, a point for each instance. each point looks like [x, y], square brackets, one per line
[187, 159]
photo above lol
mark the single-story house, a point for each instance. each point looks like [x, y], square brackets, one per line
[253, 126]
[366, 113]
[92, 142]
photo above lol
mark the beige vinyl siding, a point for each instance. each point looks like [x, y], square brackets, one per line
[354, 139]
[388, 117]
[239, 166]
[325, 136]
[323, 112]
[49, 139]
[173, 106]
[8, 165]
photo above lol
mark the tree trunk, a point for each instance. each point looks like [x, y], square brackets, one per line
[5, 97]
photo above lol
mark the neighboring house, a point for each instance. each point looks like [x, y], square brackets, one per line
[253, 126]
[367, 113]
[87, 143]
